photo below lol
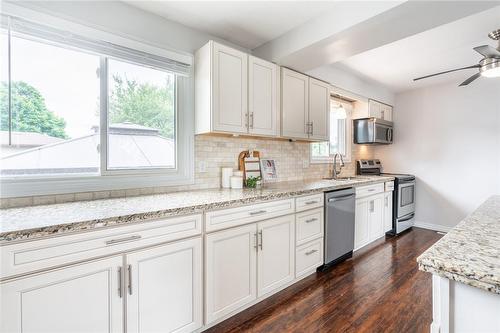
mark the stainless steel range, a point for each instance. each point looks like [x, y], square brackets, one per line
[403, 214]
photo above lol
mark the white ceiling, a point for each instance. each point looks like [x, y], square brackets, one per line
[446, 47]
[245, 23]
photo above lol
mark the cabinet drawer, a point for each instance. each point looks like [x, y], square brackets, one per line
[308, 257]
[226, 218]
[38, 255]
[364, 191]
[309, 225]
[309, 202]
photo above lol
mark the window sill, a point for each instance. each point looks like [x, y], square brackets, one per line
[327, 160]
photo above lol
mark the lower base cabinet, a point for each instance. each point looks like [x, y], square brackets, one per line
[164, 291]
[83, 298]
[388, 211]
[369, 221]
[160, 288]
[246, 262]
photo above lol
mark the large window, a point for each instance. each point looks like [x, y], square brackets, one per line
[340, 134]
[74, 107]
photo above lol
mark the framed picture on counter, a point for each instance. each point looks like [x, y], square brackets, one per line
[268, 169]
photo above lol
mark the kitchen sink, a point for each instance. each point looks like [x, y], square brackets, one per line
[341, 178]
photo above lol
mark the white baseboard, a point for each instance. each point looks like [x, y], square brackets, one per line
[430, 226]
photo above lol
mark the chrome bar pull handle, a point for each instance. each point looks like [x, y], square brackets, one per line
[129, 269]
[311, 220]
[261, 239]
[251, 119]
[311, 252]
[120, 278]
[258, 212]
[125, 239]
[311, 202]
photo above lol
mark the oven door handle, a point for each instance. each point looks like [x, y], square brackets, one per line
[406, 181]
[407, 218]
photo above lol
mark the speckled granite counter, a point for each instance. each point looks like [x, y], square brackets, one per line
[470, 252]
[40, 221]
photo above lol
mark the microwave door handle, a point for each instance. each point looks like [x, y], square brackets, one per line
[389, 134]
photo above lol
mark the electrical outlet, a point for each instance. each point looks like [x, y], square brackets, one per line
[305, 164]
[202, 166]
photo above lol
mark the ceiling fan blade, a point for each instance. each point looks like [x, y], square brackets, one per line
[487, 51]
[452, 70]
[469, 80]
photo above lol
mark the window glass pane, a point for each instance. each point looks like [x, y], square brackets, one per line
[4, 93]
[141, 119]
[55, 111]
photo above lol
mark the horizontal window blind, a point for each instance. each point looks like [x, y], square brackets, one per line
[105, 48]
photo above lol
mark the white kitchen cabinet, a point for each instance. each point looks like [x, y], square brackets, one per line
[379, 110]
[305, 106]
[294, 104]
[275, 257]
[235, 93]
[262, 97]
[386, 112]
[376, 206]
[369, 220]
[230, 270]
[221, 83]
[164, 288]
[362, 223]
[84, 298]
[387, 211]
[372, 109]
[319, 110]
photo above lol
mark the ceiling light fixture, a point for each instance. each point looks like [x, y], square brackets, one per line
[491, 69]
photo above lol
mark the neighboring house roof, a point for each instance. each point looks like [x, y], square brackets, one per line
[27, 139]
[129, 146]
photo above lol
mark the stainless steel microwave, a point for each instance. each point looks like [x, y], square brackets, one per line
[372, 131]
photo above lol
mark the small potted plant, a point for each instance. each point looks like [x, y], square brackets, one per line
[252, 182]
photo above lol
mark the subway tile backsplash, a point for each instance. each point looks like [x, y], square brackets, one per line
[217, 152]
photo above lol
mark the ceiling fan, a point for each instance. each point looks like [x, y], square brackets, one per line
[489, 66]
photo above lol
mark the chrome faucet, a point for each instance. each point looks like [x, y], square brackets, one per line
[335, 173]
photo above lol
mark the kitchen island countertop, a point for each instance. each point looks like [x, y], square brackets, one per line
[470, 252]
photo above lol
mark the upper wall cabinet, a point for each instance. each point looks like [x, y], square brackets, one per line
[262, 97]
[373, 109]
[319, 107]
[234, 93]
[304, 106]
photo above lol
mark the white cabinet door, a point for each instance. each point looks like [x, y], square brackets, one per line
[375, 109]
[376, 216]
[164, 288]
[386, 111]
[81, 298]
[229, 89]
[294, 104]
[361, 224]
[387, 211]
[319, 109]
[262, 97]
[275, 253]
[230, 270]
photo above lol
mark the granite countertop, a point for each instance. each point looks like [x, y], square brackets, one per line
[17, 224]
[470, 252]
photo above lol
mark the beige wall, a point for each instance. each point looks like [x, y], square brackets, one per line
[218, 152]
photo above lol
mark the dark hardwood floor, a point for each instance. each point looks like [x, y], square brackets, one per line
[379, 290]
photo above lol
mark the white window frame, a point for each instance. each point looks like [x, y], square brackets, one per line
[106, 180]
[348, 142]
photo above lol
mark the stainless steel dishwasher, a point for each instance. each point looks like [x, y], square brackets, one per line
[339, 225]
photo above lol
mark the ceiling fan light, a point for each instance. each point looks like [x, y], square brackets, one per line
[491, 72]
[491, 69]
